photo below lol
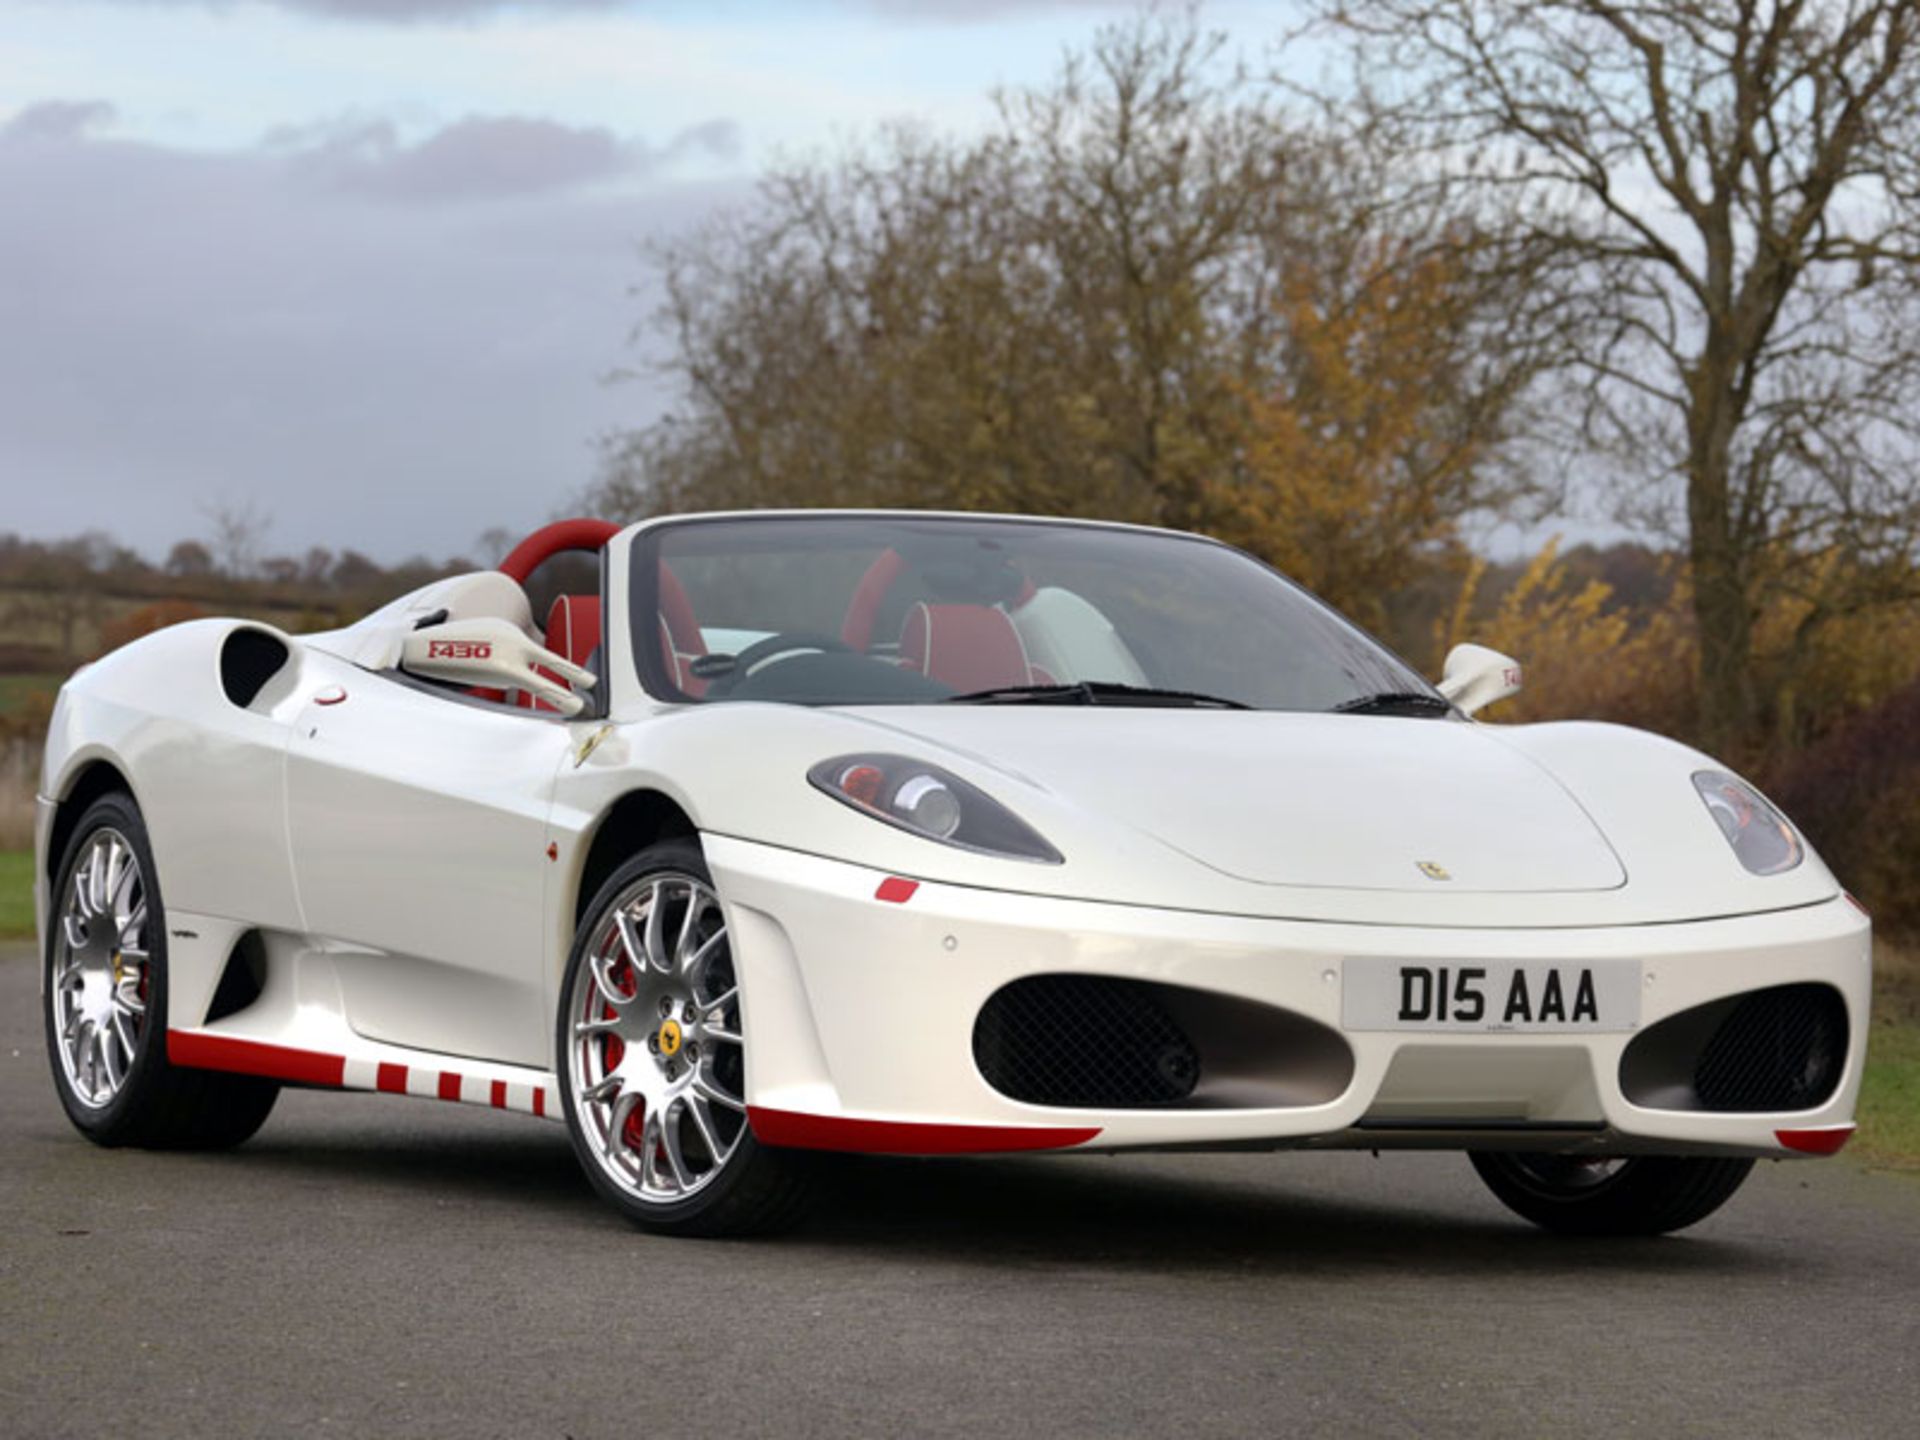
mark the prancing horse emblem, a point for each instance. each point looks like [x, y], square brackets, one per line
[1433, 871]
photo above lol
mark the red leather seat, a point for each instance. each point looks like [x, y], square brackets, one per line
[681, 642]
[573, 630]
[573, 627]
[970, 647]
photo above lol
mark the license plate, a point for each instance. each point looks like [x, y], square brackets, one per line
[1532, 996]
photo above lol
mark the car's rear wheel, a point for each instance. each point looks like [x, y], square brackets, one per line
[1591, 1195]
[652, 1058]
[105, 1001]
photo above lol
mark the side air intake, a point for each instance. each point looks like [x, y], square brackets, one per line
[248, 660]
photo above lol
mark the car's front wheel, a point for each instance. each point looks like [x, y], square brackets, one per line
[652, 1058]
[106, 1001]
[1591, 1195]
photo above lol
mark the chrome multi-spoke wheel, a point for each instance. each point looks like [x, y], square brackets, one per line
[106, 1000]
[101, 981]
[653, 1056]
[658, 1065]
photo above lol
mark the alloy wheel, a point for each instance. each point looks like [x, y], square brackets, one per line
[658, 1062]
[101, 979]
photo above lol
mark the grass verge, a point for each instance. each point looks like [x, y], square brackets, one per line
[1889, 1111]
[16, 689]
[16, 894]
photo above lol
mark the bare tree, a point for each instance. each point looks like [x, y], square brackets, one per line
[493, 543]
[1105, 305]
[189, 560]
[239, 529]
[1733, 189]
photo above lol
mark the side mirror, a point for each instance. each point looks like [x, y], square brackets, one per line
[1474, 677]
[495, 654]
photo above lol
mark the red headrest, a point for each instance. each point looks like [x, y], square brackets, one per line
[573, 627]
[680, 639]
[970, 647]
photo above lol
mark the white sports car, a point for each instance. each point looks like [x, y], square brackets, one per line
[927, 834]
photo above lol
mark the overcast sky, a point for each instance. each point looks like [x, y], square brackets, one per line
[367, 263]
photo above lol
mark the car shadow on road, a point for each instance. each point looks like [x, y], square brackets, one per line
[535, 1171]
[1034, 1212]
[1078, 1212]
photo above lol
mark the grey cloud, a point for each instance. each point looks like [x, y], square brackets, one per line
[486, 156]
[983, 9]
[415, 11]
[404, 11]
[436, 9]
[56, 121]
[184, 325]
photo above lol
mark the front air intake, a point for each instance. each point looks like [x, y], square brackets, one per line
[1779, 1049]
[1086, 1041]
[1101, 1042]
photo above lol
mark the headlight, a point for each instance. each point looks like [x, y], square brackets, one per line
[930, 802]
[1759, 834]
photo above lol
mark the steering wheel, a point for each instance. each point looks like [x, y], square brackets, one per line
[771, 651]
[555, 539]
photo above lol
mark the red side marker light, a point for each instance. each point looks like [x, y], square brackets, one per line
[896, 891]
[1826, 1140]
[332, 695]
[553, 851]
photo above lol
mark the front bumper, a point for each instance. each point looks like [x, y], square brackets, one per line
[860, 1018]
[43, 814]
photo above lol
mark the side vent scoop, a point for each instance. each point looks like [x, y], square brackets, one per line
[248, 660]
[243, 980]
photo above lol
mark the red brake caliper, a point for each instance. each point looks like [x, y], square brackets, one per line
[633, 1132]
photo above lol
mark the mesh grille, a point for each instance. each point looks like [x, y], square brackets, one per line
[1778, 1049]
[1082, 1040]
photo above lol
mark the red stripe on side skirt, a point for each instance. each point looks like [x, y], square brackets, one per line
[392, 1079]
[449, 1085]
[893, 1137]
[540, 1100]
[499, 1094]
[250, 1057]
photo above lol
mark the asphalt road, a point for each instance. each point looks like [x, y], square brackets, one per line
[370, 1265]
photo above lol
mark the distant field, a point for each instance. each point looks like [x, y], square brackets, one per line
[16, 894]
[1890, 1093]
[19, 777]
[14, 689]
[37, 619]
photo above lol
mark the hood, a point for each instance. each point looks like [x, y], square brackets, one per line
[1311, 801]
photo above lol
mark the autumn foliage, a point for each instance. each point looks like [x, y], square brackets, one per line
[1362, 458]
[146, 620]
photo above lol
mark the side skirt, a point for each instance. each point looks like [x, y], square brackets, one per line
[383, 1068]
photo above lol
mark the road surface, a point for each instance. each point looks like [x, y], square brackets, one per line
[379, 1266]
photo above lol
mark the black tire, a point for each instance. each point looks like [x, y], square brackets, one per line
[158, 1105]
[759, 1190]
[1645, 1195]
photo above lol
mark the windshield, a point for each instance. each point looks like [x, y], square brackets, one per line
[904, 610]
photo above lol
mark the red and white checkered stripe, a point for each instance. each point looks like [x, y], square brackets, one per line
[497, 1087]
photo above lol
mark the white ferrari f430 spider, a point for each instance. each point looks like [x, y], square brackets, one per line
[927, 834]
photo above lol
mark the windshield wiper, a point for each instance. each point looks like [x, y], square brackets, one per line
[1094, 692]
[1396, 702]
